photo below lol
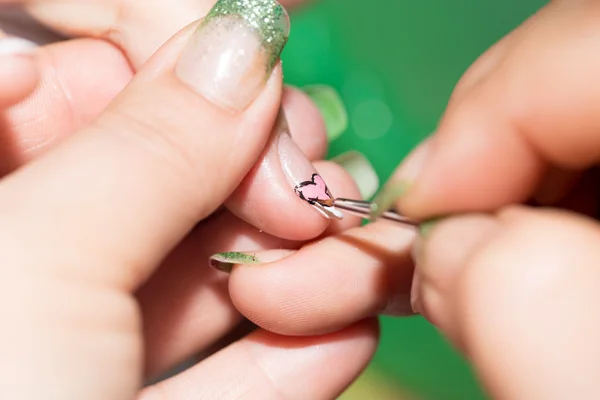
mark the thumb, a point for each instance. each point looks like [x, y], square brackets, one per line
[166, 153]
[121, 194]
[518, 292]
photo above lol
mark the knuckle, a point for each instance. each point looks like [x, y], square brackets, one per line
[158, 142]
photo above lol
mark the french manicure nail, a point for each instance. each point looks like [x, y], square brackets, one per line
[302, 175]
[332, 108]
[226, 261]
[10, 45]
[232, 53]
[400, 184]
[361, 170]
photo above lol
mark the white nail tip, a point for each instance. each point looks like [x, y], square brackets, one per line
[15, 46]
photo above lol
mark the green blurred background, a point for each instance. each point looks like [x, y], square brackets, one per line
[395, 62]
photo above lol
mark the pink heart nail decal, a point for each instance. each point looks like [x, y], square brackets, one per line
[315, 191]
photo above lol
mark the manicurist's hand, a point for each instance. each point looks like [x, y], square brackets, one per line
[98, 292]
[516, 288]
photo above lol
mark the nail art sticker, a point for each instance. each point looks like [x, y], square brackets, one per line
[316, 193]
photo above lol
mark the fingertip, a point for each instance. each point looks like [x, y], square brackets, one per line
[264, 200]
[475, 162]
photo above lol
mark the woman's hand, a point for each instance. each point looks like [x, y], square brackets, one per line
[515, 288]
[86, 226]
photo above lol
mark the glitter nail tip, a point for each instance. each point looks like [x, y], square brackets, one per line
[266, 18]
[234, 50]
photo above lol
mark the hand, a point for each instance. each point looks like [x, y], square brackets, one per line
[516, 288]
[86, 226]
[62, 105]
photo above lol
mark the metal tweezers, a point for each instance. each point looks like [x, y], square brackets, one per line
[367, 210]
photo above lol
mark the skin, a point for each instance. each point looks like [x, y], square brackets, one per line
[514, 287]
[150, 305]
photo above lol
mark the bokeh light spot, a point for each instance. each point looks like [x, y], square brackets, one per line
[372, 119]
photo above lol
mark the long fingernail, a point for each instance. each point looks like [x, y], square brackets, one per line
[10, 45]
[308, 185]
[226, 261]
[332, 108]
[400, 184]
[361, 170]
[231, 55]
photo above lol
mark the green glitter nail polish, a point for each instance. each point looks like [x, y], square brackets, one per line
[226, 261]
[388, 196]
[267, 18]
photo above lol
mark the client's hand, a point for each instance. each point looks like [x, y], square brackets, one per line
[86, 314]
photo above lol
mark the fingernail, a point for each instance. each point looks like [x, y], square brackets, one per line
[402, 181]
[308, 185]
[10, 45]
[361, 170]
[231, 55]
[332, 108]
[226, 261]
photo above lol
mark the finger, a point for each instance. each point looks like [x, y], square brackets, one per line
[186, 305]
[519, 293]
[18, 73]
[131, 25]
[538, 109]
[329, 284]
[306, 121]
[267, 366]
[260, 201]
[128, 188]
[62, 103]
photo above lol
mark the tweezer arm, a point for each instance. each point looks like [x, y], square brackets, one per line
[365, 209]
